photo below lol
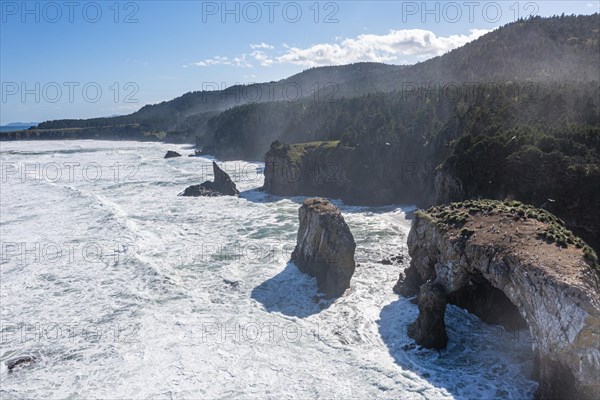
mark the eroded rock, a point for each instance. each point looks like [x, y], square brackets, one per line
[172, 154]
[325, 246]
[222, 185]
[496, 261]
[408, 283]
[429, 330]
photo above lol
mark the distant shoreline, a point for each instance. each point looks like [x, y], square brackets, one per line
[15, 128]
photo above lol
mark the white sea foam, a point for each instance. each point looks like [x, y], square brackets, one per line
[158, 296]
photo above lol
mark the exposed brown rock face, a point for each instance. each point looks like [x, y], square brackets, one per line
[499, 266]
[325, 246]
[221, 186]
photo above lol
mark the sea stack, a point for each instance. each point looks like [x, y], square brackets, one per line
[222, 185]
[325, 246]
[172, 154]
[514, 265]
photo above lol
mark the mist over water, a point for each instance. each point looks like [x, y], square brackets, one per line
[122, 289]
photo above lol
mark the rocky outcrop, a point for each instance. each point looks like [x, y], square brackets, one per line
[222, 185]
[19, 362]
[429, 330]
[172, 154]
[512, 264]
[325, 246]
[304, 169]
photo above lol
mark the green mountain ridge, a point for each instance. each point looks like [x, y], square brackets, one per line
[537, 49]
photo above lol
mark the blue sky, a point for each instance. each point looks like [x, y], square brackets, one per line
[88, 59]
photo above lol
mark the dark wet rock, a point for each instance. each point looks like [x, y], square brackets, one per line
[208, 150]
[429, 330]
[200, 191]
[197, 153]
[233, 284]
[172, 154]
[401, 278]
[394, 260]
[408, 283]
[397, 259]
[221, 186]
[325, 246]
[19, 362]
[409, 346]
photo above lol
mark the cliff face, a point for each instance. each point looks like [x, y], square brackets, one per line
[325, 246]
[305, 169]
[379, 174]
[365, 175]
[495, 260]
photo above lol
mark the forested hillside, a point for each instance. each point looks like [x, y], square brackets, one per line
[561, 48]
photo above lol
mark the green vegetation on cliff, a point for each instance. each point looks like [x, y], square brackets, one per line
[457, 215]
[294, 152]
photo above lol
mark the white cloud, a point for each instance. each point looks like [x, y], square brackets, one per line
[262, 58]
[396, 46]
[218, 60]
[262, 45]
[418, 43]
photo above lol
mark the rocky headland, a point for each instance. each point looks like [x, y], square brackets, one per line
[325, 246]
[356, 174]
[514, 265]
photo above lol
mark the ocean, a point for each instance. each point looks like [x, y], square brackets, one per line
[121, 289]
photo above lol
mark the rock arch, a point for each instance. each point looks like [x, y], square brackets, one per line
[557, 296]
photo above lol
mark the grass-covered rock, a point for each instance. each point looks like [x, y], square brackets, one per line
[458, 215]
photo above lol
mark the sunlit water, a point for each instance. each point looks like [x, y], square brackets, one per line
[122, 289]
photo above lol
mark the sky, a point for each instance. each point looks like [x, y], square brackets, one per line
[83, 59]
